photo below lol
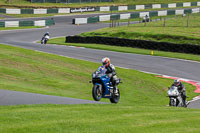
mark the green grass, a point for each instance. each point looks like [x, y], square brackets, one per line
[25, 4]
[142, 107]
[15, 28]
[45, 15]
[175, 31]
[98, 119]
[28, 71]
[151, 1]
[153, 18]
[31, 15]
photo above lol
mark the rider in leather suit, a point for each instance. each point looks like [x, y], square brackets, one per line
[110, 71]
[181, 89]
[46, 34]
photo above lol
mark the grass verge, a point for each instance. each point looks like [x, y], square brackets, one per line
[47, 15]
[142, 106]
[16, 28]
[180, 30]
[91, 118]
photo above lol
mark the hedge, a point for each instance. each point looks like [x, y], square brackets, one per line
[162, 46]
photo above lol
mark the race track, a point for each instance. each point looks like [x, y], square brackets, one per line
[63, 27]
[15, 98]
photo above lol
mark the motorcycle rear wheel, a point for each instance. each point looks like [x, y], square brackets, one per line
[96, 92]
[45, 41]
[115, 98]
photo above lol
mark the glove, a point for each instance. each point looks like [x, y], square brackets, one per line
[109, 75]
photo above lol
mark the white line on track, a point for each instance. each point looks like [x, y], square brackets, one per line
[50, 38]
[25, 29]
[185, 60]
[195, 99]
[180, 59]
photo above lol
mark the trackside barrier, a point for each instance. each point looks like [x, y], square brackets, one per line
[47, 22]
[102, 18]
[27, 11]
[40, 11]
[162, 46]
[2, 24]
[11, 23]
[13, 11]
[34, 11]
[26, 23]
[104, 8]
[39, 23]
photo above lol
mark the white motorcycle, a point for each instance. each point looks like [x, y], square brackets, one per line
[45, 39]
[175, 98]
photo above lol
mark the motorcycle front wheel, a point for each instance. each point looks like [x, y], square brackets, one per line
[96, 92]
[115, 98]
[172, 102]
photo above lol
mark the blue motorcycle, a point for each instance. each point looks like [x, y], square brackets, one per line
[102, 86]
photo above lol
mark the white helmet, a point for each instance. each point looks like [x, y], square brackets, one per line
[177, 82]
[106, 61]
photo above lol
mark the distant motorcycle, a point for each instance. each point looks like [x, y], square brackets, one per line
[146, 19]
[45, 39]
[103, 88]
[175, 98]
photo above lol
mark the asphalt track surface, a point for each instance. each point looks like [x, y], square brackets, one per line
[15, 97]
[153, 64]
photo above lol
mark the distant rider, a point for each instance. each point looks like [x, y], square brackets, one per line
[181, 89]
[45, 38]
[46, 34]
[111, 73]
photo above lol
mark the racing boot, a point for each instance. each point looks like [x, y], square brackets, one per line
[184, 101]
[116, 91]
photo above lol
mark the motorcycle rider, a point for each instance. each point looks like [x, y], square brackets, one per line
[181, 89]
[111, 73]
[46, 36]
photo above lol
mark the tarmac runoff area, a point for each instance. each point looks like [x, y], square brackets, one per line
[16, 98]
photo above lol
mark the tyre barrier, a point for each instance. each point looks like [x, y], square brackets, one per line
[88, 9]
[152, 45]
[46, 22]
